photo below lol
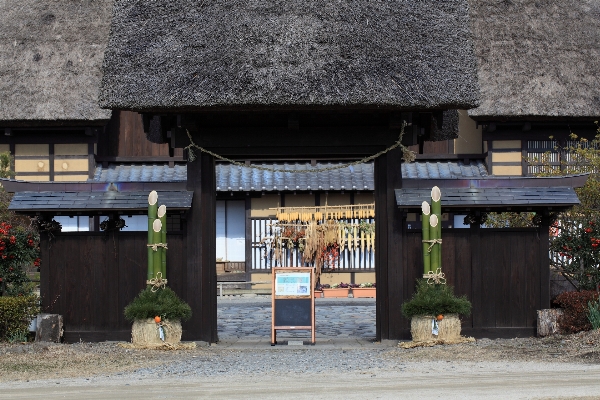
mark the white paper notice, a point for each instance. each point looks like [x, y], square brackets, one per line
[292, 284]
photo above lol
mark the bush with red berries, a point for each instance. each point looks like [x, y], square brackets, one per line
[19, 249]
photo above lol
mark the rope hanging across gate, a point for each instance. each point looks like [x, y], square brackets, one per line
[407, 156]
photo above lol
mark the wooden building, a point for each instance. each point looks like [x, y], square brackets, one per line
[305, 78]
[538, 73]
[312, 82]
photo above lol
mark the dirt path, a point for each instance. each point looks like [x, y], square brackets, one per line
[533, 381]
[565, 367]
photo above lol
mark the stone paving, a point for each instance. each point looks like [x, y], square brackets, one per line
[249, 318]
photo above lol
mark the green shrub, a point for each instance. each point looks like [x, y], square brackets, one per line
[434, 300]
[16, 314]
[594, 313]
[163, 302]
[575, 310]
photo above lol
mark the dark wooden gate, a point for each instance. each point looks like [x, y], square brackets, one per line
[503, 272]
[90, 277]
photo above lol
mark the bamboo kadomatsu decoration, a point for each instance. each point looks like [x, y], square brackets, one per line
[435, 233]
[426, 210]
[157, 311]
[162, 215]
[152, 212]
[156, 237]
[157, 243]
[432, 234]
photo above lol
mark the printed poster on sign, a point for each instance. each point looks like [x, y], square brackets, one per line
[294, 284]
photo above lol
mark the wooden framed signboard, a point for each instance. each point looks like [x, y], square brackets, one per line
[293, 300]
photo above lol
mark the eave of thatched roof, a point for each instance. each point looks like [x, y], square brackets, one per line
[170, 55]
[538, 59]
[50, 60]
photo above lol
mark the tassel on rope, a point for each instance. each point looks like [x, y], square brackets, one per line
[191, 155]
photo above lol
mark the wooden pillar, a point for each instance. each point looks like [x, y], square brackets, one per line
[249, 239]
[477, 296]
[46, 268]
[544, 238]
[201, 272]
[389, 262]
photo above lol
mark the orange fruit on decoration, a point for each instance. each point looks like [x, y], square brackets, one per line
[440, 317]
[157, 319]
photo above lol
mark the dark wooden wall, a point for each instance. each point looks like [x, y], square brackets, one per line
[90, 277]
[441, 147]
[503, 272]
[124, 137]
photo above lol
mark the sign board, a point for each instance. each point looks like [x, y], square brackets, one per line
[293, 300]
[292, 284]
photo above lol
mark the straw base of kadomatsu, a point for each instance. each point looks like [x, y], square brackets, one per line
[145, 334]
[431, 343]
[448, 331]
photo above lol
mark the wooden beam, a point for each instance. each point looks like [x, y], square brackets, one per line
[134, 159]
[314, 141]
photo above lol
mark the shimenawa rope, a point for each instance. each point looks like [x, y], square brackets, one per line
[407, 155]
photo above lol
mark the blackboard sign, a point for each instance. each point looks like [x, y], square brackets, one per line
[293, 300]
[293, 312]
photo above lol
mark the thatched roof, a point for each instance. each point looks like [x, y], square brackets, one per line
[537, 58]
[50, 60]
[191, 55]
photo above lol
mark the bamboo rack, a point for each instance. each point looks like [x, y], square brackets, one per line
[323, 213]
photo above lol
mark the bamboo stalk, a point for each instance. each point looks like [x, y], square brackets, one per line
[156, 235]
[426, 210]
[435, 256]
[162, 215]
[152, 209]
[436, 208]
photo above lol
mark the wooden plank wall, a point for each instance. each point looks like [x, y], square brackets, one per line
[499, 270]
[125, 137]
[90, 277]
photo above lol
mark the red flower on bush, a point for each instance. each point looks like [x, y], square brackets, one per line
[18, 251]
[576, 250]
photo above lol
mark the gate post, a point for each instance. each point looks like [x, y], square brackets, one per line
[389, 257]
[201, 272]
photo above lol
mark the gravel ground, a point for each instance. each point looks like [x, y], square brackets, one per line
[36, 361]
